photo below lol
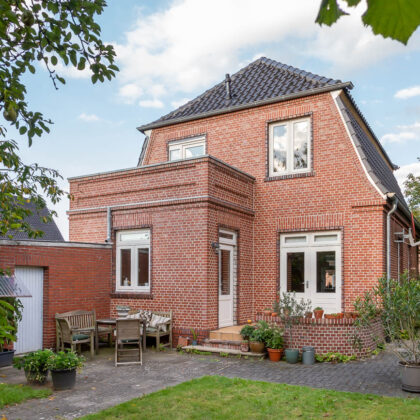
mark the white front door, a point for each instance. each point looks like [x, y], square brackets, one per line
[29, 334]
[310, 266]
[225, 285]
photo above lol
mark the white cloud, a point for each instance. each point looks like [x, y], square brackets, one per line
[408, 92]
[175, 50]
[88, 117]
[401, 174]
[177, 104]
[151, 103]
[400, 137]
[130, 92]
[405, 133]
[72, 72]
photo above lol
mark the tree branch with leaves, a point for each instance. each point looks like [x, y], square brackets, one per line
[36, 34]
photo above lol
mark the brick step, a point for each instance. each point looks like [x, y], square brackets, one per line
[227, 333]
[226, 344]
[219, 350]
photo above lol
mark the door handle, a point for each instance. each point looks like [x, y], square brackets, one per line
[307, 284]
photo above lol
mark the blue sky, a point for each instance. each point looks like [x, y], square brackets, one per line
[171, 51]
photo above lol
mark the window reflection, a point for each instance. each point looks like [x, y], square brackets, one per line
[325, 263]
[296, 272]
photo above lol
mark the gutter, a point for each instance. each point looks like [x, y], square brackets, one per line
[158, 124]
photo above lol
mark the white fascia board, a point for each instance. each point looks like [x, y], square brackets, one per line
[334, 95]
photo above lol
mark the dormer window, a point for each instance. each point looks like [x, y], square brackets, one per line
[187, 148]
[289, 147]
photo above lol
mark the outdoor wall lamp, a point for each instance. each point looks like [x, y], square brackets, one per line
[215, 246]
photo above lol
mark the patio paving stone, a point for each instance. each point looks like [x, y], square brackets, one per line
[101, 385]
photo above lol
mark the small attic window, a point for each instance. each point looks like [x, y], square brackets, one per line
[187, 148]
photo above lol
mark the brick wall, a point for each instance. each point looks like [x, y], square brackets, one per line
[76, 276]
[185, 203]
[332, 335]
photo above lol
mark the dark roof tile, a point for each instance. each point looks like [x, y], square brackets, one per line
[262, 80]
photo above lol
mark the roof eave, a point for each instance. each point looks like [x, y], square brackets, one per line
[337, 86]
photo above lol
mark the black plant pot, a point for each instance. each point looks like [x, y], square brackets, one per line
[63, 379]
[6, 358]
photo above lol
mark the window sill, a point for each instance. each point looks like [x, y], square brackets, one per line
[289, 176]
[131, 295]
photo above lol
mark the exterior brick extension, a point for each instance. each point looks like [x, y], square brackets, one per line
[186, 202]
[332, 335]
[76, 276]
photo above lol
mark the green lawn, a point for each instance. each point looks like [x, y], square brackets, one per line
[13, 394]
[216, 397]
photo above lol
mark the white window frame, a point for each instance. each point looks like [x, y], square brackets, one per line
[290, 160]
[133, 246]
[184, 144]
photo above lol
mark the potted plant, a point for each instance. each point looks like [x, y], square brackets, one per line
[291, 311]
[194, 335]
[258, 337]
[247, 331]
[10, 315]
[308, 315]
[318, 312]
[267, 311]
[274, 345]
[35, 365]
[397, 303]
[63, 365]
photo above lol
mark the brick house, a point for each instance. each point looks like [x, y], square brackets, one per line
[270, 181]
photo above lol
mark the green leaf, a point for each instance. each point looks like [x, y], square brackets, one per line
[396, 19]
[54, 60]
[329, 12]
[22, 130]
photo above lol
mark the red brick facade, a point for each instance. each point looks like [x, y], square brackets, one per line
[186, 203]
[76, 276]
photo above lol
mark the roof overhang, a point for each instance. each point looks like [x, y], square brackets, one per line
[310, 92]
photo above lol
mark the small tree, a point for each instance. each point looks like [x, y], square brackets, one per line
[412, 192]
[291, 310]
[398, 304]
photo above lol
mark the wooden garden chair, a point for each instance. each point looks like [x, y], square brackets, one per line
[128, 333]
[75, 336]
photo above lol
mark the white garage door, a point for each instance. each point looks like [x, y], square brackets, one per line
[29, 336]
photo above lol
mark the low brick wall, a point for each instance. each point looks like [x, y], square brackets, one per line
[332, 335]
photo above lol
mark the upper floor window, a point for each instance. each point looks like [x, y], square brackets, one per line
[133, 260]
[187, 148]
[289, 147]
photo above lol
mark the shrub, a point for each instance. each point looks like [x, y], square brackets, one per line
[35, 365]
[65, 360]
[10, 315]
[247, 331]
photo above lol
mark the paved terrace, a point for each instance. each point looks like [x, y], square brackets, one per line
[101, 385]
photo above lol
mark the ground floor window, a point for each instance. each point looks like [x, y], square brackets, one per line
[133, 260]
[310, 266]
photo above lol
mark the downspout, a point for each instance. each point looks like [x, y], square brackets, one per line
[108, 224]
[394, 198]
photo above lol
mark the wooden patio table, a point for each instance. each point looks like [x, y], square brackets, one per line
[112, 323]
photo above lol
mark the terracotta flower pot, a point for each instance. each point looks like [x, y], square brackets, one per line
[329, 316]
[256, 346]
[183, 341]
[354, 315]
[273, 314]
[245, 346]
[308, 315]
[267, 312]
[318, 314]
[275, 354]
[348, 315]
[340, 315]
